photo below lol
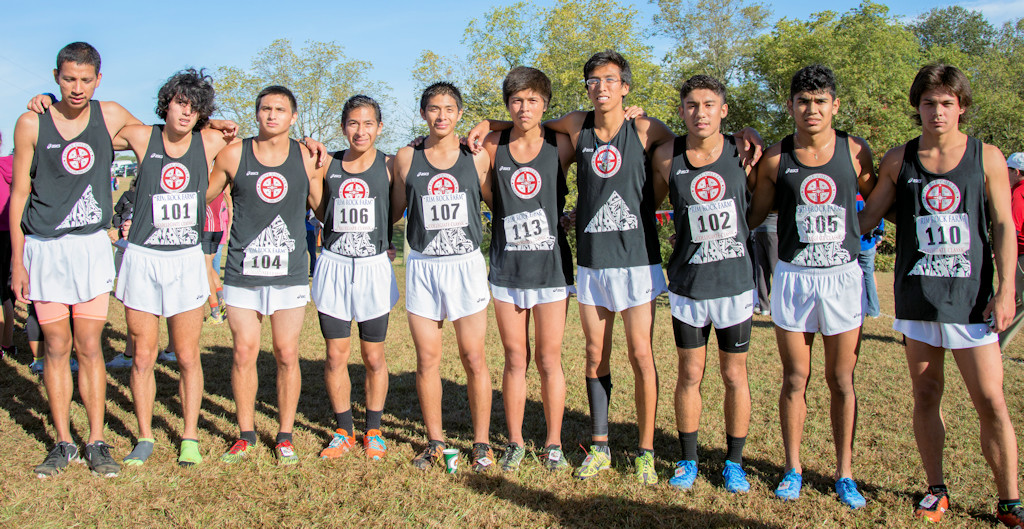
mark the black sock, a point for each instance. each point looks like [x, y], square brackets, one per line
[344, 420]
[373, 419]
[642, 451]
[1006, 506]
[248, 436]
[734, 448]
[435, 443]
[284, 436]
[688, 444]
[937, 489]
[599, 391]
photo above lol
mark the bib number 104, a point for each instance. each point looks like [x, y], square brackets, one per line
[265, 264]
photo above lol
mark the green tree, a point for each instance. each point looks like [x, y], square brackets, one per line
[319, 74]
[956, 27]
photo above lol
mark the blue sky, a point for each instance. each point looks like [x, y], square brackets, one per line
[142, 43]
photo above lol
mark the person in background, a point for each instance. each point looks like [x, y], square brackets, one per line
[1015, 168]
[868, 241]
[6, 295]
[312, 235]
[765, 253]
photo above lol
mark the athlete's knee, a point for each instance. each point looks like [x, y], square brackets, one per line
[795, 382]
[734, 376]
[516, 361]
[991, 407]
[474, 361]
[245, 355]
[287, 360]
[337, 357]
[840, 383]
[549, 365]
[375, 363]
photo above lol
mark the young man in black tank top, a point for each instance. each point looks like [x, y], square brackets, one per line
[78, 75]
[935, 183]
[819, 261]
[710, 259]
[445, 279]
[285, 304]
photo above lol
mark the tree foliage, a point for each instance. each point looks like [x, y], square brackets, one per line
[319, 74]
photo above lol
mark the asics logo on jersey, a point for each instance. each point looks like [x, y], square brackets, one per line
[682, 171]
[155, 155]
[53, 146]
[913, 180]
[334, 176]
[503, 168]
[251, 173]
[588, 149]
[791, 171]
[422, 173]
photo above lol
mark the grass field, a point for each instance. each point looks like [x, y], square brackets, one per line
[391, 493]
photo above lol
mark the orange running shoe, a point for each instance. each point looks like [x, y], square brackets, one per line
[341, 444]
[373, 445]
[1012, 518]
[932, 506]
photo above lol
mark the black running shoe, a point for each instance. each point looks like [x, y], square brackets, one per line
[57, 460]
[97, 455]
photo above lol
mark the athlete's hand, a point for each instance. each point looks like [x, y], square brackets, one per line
[672, 240]
[568, 220]
[19, 282]
[392, 252]
[317, 149]
[417, 141]
[40, 103]
[1001, 309]
[634, 112]
[226, 126]
[751, 146]
[475, 138]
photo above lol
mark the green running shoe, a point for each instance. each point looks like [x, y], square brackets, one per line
[597, 460]
[645, 472]
[512, 457]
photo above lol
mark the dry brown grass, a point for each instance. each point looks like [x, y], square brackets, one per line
[391, 493]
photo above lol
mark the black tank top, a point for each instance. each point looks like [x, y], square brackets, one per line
[615, 208]
[168, 214]
[70, 179]
[710, 210]
[817, 208]
[358, 217]
[943, 269]
[444, 206]
[528, 245]
[268, 229]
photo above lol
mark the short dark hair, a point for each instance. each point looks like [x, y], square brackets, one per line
[702, 82]
[192, 87]
[943, 77]
[359, 101]
[525, 78]
[279, 91]
[79, 53]
[441, 88]
[814, 78]
[602, 58]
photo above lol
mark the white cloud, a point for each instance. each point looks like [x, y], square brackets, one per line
[999, 12]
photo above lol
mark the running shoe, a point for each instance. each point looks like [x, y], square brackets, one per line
[848, 494]
[215, 319]
[553, 458]
[57, 460]
[36, 367]
[286, 454]
[789, 487]
[735, 477]
[237, 452]
[167, 356]
[932, 506]
[119, 362]
[74, 365]
[430, 456]
[645, 472]
[10, 350]
[512, 457]
[97, 455]
[598, 459]
[685, 475]
[340, 445]
[1014, 518]
[482, 458]
[373, 445]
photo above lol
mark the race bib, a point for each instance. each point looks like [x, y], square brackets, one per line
[821, 223]
[445, 211]
[527, 229]
[268, 262]
[175, 210]
[943, 234]
[712, 220]
[354, 215]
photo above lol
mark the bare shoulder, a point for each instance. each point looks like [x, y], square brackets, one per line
[28, 120]
[664, 152]
[858, 145]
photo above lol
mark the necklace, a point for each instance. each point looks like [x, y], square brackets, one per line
[815, 154]
[699, 155]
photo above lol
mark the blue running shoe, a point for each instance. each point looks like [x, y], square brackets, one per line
[847, 491]
[735, 478]
[685, 475]
[789, 487]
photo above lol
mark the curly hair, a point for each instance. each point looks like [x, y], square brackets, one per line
[192, 87]
[814, 78]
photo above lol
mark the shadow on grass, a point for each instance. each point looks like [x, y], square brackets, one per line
[602, 510]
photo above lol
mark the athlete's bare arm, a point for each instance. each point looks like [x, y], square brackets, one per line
[566, 153]
[25, 133]
[398, 199]
[135, 138]
[224, 168]
[884, 193]
[317, 198]
[997, 190]
[214, 140]
[653, 133]
[569, 124]
[662, 162]
[864, 164]
[763, 200]
[117, 117]
[315, 176]
[482, 161]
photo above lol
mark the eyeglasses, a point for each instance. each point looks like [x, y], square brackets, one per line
[593, 82]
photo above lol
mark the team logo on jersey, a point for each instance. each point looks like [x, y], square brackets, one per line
[354, 188]
[77, 157]
[818, 189]
[174, 177]
[442, 184]
[271, 187]
[526, 183]
[709, 186]
[607, 161]
[940, 196]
